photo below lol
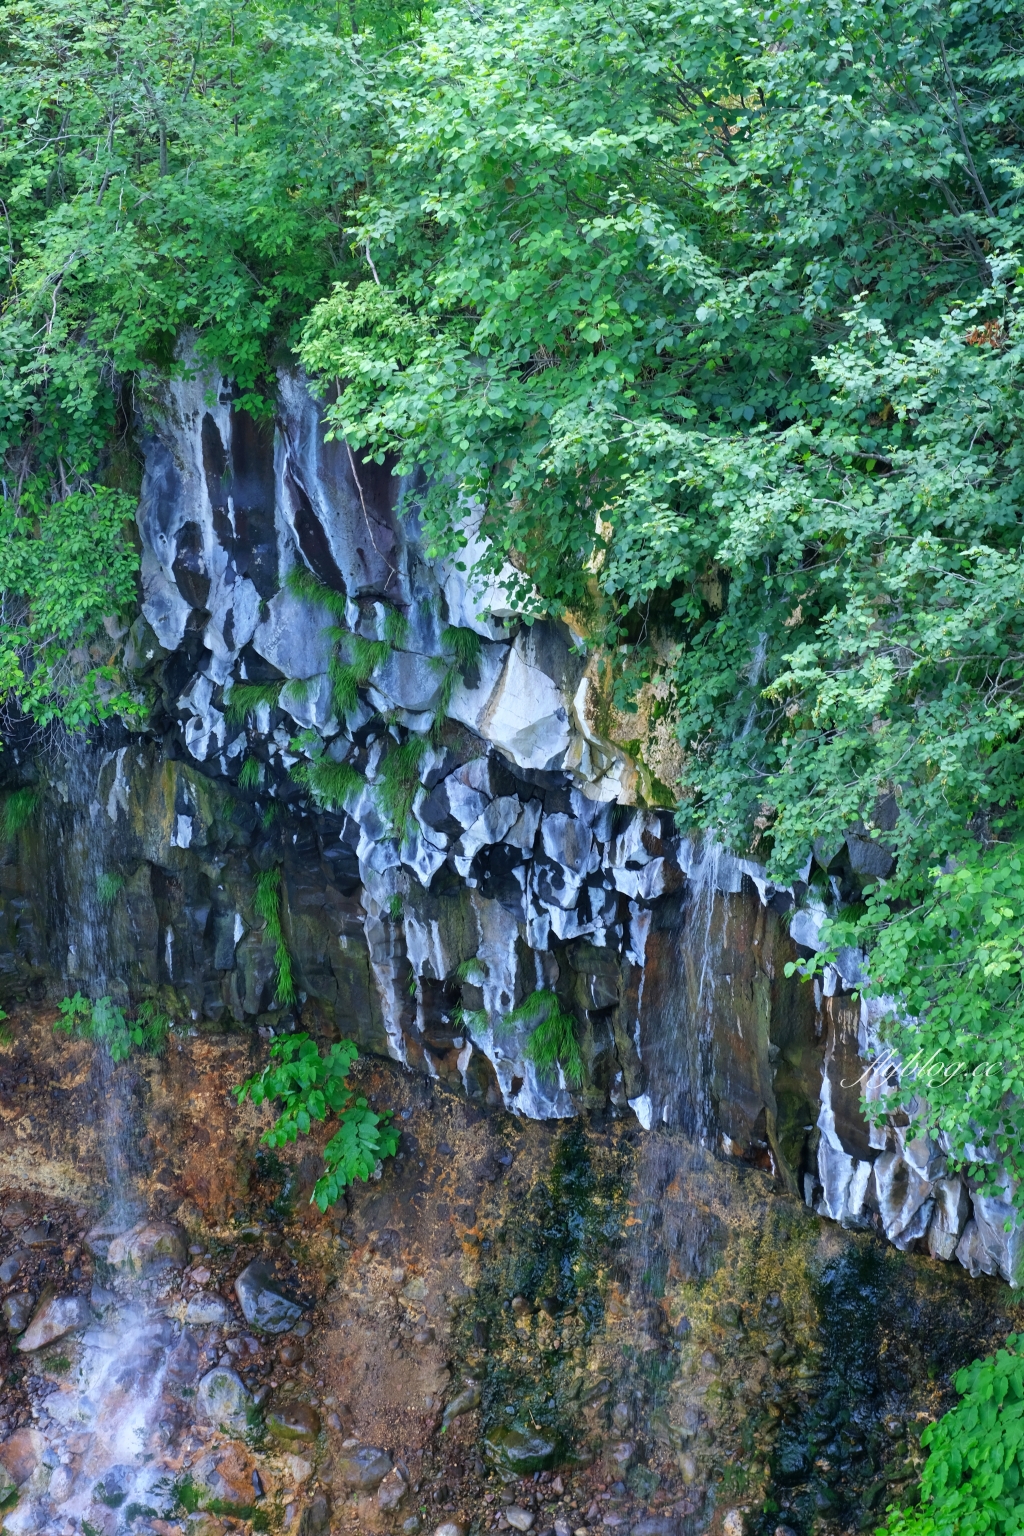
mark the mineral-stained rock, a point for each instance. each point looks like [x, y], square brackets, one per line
[517, 1450]
[364, 1466]
[56, 1316]
[17, 1311]
[221, 1399]
[226, 1474]
[150, 1245]
[264, 1303]
[733, 1524]
[22, 1454]
[293, 1421]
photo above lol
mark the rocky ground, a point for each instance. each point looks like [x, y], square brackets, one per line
[548, 1327]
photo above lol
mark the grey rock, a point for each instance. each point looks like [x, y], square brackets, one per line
[222, 1400]
[55, 1317]
[392, 1490]
[206, 1308]
[7, 1484]
[316, 1518]
[450, 1528]
[12, 1266]
[17, 1311]
[656, 1525]
[364, 1467]
[39, 1235]
[264, 1303]
[520, 1519]
[463, 1402]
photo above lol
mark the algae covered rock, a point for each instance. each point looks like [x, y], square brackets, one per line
[511, 1448]
[221, 1399]
[293, 1421]
[264, 1302]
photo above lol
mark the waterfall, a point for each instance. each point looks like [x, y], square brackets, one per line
[104, 1442]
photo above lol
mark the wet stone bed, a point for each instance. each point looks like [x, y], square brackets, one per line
[547, 1327]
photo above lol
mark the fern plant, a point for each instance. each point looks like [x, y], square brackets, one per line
[308, 1086]
[553, 1041]
[267, 904]
[103, 1022]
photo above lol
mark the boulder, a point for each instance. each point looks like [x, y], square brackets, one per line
[148, 1246]
[364, 1467]
[519, 1519]
[207, 1308]
[392, 1490]
[55, 1316]
[22, 1454]
[221, 1399]
[265, 1304]
[17, 1311]
[511, 1448]
[293, 1421]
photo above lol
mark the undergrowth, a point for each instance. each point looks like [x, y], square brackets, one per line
[103, 1022]
[108, 888]
[267, 903]
[250, 774]
[306, 1086]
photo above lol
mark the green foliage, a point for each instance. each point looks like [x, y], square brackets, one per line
[19, 808]
[331, 784]
[250, 775]
[6, 1032]
[267, 904]
[973, 1481]
[108, 888]
[245, 699]
[310, 1085]
[950, 948]
[397, 782]
[104, 1023]
[460, 652]
[553, 1042]
[164, 169]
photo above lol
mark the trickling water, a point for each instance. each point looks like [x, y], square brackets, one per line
[704, 883]
[102, 1463]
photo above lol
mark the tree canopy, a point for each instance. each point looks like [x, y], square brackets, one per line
[712, 310]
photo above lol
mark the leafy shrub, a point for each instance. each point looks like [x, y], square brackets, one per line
[104, 1022]
[973, 1482]
[553, 1042]
[310, 1086]
[267, 902]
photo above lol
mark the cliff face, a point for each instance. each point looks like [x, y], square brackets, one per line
[489, 844]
